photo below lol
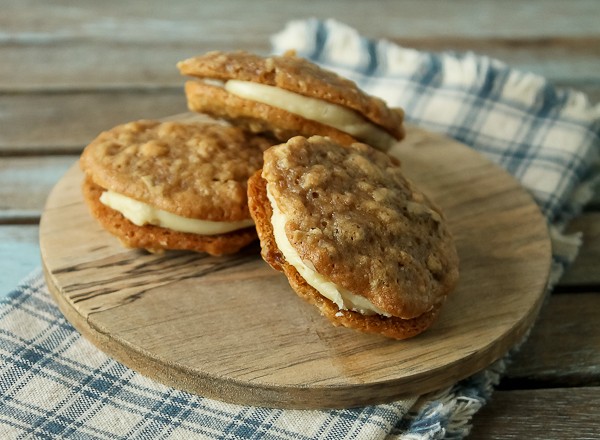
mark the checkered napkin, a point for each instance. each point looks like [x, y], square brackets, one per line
[54, 384]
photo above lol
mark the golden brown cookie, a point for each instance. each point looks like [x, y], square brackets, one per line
[351, 217]
[262, 94]
[155, 238]
[173, 185]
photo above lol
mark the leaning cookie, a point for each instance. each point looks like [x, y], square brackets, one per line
[173, 185]
[353, 236]
[288, 96]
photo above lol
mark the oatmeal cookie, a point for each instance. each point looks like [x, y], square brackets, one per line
[353, 236]
[174, 185]
[288, 95]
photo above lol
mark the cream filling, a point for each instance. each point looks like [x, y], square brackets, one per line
[141, 214]
[343, 298]
[314, 109]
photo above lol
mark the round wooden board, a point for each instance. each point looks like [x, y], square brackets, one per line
[231, 328]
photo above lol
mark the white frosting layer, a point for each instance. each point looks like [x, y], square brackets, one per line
[343, 298]
[140, 214]
[314, 109]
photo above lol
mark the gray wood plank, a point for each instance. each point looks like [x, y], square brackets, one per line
[89, 19]
[19, 254]
[25, 182]
[586, 268]
[563, 413]
[91, 45]
[65, 122]
[562, 349]
[100, 64]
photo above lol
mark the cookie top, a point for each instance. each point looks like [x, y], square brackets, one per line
[297, 75]
[192, 169]
[352, 214]
[389, 326]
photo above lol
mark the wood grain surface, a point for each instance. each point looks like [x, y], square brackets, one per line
[542, 414]
[231, 328]
[571, 339]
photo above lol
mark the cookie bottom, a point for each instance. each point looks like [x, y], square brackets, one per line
[217, 102]
[392, 327]
[157, 239]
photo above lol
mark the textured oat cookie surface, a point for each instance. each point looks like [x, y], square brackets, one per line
[192, 169]
[353, 215]
[297, 75]
[392, 327]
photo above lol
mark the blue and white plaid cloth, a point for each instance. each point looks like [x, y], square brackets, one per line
[54, 384]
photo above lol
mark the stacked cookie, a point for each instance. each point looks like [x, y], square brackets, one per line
[288, 96]
[295, 155]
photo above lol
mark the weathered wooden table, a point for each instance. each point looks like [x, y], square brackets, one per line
[70, 70]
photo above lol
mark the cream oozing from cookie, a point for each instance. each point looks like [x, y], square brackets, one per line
[140, 214]
[326, 113]
[343, 298]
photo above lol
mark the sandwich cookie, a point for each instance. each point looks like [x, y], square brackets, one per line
[353, 236]
[173, 185]
[288, 96]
